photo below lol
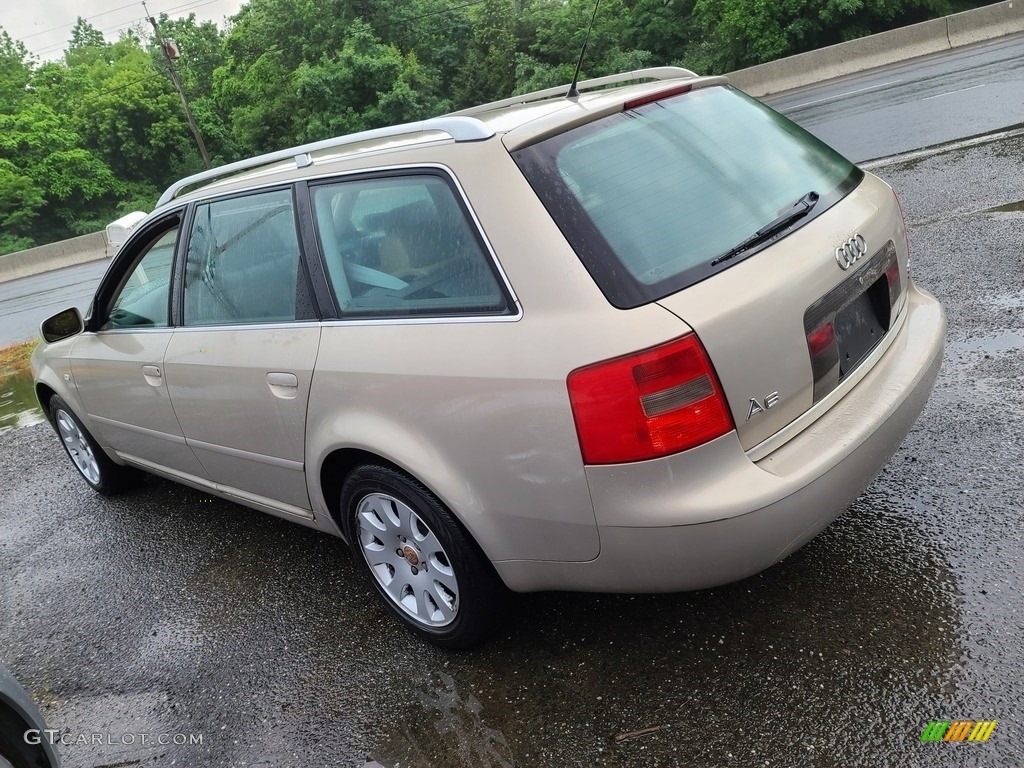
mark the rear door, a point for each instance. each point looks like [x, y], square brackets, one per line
[786, 327]
[239, 367]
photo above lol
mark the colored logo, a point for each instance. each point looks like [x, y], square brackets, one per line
[958, 730]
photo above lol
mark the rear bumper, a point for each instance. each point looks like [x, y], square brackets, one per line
[711, 516]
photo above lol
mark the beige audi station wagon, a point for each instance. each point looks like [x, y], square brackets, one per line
[653, 337]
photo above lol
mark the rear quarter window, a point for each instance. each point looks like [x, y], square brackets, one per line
[402, 246]
[650, 197]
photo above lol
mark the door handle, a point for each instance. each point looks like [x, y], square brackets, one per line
[152, 375]
[283, 385]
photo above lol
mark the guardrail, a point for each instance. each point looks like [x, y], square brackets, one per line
[977, 25]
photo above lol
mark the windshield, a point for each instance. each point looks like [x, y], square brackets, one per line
[651, 198]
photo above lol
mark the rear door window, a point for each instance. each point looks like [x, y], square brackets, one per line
[244, 263]
[404, 246]
[651, 198]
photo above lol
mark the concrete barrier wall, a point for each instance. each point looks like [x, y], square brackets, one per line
[44, 258]
[985, 23]
[896, 45]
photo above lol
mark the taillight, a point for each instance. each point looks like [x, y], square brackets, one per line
[824, 350]
[892, 277]
[648, 404]
[821, 340]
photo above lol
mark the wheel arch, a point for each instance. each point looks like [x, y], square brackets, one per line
[335, 469]
[339, 463]
[45, 393]
[479, 480]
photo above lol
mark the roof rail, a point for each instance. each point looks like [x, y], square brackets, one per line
[459, 128]
[651, 73]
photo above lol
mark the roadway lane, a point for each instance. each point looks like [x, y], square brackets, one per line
[24, 303]
[914, 104]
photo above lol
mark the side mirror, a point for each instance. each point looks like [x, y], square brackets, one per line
[64, 324]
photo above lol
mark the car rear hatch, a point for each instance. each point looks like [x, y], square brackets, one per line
[786, 260]
[786, 327]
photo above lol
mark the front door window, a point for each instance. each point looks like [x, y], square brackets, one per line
[142, 301]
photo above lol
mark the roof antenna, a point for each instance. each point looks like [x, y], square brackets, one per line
[573, 93]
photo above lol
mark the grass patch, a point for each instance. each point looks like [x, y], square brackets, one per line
[14, 360]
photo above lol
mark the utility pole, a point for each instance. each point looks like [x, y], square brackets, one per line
[177, 85]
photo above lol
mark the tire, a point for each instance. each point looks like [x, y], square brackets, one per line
[93, 464]
[15, 751]
[419, 559]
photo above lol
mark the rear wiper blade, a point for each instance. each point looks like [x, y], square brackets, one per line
[799, 209]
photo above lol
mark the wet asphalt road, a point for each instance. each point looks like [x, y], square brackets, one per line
[917, 103]
[26, 302]
[167, 612]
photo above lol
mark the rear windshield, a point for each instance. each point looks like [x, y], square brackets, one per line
[650, 197]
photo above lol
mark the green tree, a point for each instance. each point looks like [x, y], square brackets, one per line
[60, 184]
[300, 69]
[20, 202]
[553, 33]
[260, 99]
[367, 85]
[439, 32]
[131, 115]
[665, 29]
[489, 69]
[253, 86]
[15, 72]
[86, 45]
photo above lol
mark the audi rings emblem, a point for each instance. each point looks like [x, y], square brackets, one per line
[851, 251]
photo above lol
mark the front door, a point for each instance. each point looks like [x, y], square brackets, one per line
[118, 362]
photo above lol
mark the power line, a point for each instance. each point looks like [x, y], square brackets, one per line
[72, 23]
[90, 96]
[195, 4]
[53, 47]
[432, 13]
[122, 87]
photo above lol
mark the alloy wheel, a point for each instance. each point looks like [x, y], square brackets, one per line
[407, 560]
[78, 447]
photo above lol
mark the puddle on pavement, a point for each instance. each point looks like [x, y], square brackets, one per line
[1007, 300]
[447, 715]
[989, 343]
[18, 407]
[1017, 207]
